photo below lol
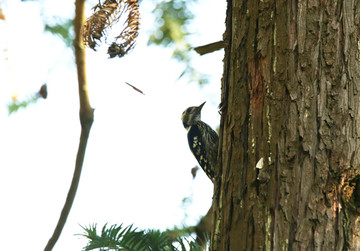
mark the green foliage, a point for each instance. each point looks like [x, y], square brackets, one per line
[171, 30]
[114, 238]
[130, 239]
[64, 30]
[176, 233]
[15, 105]
[171, 18]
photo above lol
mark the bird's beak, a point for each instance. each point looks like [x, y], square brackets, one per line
[201, 106]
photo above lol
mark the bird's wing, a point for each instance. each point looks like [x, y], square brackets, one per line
[199, 147]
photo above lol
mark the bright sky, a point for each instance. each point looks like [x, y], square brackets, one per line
[137, 165]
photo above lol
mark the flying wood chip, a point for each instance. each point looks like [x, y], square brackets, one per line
[136, 89]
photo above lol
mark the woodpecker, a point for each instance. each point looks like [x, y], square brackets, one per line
[203, 140]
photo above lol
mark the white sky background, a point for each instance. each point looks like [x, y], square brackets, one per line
[137, 165]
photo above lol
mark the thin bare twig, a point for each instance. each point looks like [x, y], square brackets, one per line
[86, 120]
[136, 89]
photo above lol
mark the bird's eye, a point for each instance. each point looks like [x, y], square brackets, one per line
[188, 110]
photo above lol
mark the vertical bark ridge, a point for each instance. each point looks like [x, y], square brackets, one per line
[292, 81]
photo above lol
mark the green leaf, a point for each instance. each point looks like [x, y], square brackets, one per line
[64, 30]
[15, 105]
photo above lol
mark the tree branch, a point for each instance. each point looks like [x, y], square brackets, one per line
[86, 120]
[209, 48]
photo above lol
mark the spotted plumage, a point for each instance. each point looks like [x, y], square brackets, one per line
[203, 140]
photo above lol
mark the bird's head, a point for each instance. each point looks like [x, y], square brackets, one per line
[191, 114]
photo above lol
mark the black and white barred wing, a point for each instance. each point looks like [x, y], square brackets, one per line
[203, 142]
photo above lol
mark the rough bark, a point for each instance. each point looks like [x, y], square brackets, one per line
[290, 95]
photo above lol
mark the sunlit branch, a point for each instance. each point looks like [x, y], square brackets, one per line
[86, 119]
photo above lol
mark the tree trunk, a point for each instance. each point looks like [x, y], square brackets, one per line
[290, 98]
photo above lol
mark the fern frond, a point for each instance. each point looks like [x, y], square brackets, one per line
[130, 239]
[105, 15]
[115, 238]
[95, 27]
[130, 32]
